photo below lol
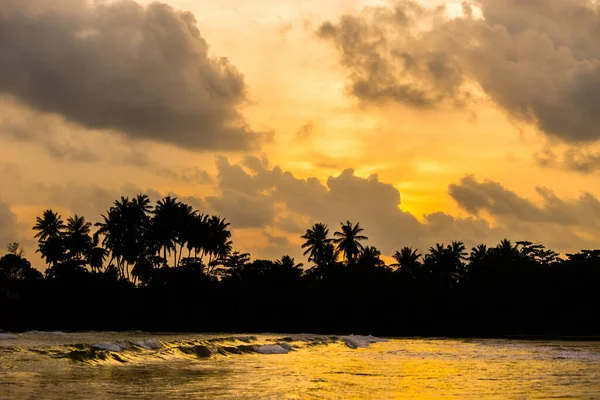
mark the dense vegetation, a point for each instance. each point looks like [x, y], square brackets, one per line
[167, 267]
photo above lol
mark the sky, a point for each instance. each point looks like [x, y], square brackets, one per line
[425, 121]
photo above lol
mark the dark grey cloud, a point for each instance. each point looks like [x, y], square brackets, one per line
[290, 224]
[145, 71]
[388, 64]
[563, 224]
[22, 125]
[10, 230]
[512, 209]
[90, 200]
[576, 160]
[342, 197]
[192, 175]
[539, 60]
[244, 210]
[375, 204]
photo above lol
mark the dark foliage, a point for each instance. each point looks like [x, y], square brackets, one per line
[170, 268]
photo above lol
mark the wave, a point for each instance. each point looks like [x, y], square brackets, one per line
[147, 350]
[282, 348]
[356, 341]
[7, 336]
[51, 333]
[148, 344]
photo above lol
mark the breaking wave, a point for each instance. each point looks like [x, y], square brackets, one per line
[124, 351]
[7, 336]
[52, 333]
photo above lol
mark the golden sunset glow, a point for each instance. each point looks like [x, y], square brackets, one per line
[298, 101]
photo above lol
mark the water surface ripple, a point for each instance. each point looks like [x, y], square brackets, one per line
[108, 365]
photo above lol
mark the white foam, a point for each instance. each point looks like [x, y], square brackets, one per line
[112, 346]
[283, 348]
[148, 344]
[356, 341]
[6, 336]
[54, 333]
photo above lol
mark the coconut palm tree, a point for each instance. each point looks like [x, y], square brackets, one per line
[50, 225]
[288, 265]
[447, 262]
[196, 233]
[316, 243]
[218, 244]
[50, 229]
[507, 250]
[407, 260]
[97, 254]
[348, 240]
[436, 254]
[457, 250]
[478, 254]
[78, 241]
[165, 219]
[370, 257]
[126, 232]
[184, 222]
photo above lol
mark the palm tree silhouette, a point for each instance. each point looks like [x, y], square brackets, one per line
[507, 251]
[77, 237]
[126, 231]
[50, 229]
[183, 224]
[316, 243]
[478, 253]
[218, 244]
[436, 254]
[196, 233]
[97, 254]
[288, 265]
[370, 257]
[348, 240]
[50, 225]
[407, 260]
[164, 225]
[447, 262]
[457, 250]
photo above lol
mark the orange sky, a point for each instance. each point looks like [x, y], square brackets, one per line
[296, 90]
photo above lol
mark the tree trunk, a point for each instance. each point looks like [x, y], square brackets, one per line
[180, 254]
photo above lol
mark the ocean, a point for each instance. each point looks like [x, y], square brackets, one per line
[111, 365]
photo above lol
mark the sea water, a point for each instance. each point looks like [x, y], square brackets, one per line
[105, 365]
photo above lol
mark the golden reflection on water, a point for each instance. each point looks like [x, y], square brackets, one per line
[397, 369]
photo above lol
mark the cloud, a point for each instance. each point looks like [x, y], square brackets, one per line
[270, 208]
[514, 211]
[59, 139]
[192, 175]
[563, 224]
[573, 159]
[145, 71]
[537, 60]
[10, 230]
[305, 131]
[244, 210]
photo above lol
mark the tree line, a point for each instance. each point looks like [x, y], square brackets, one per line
[169, 267]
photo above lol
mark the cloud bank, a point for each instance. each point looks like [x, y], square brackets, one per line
[269, 209]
